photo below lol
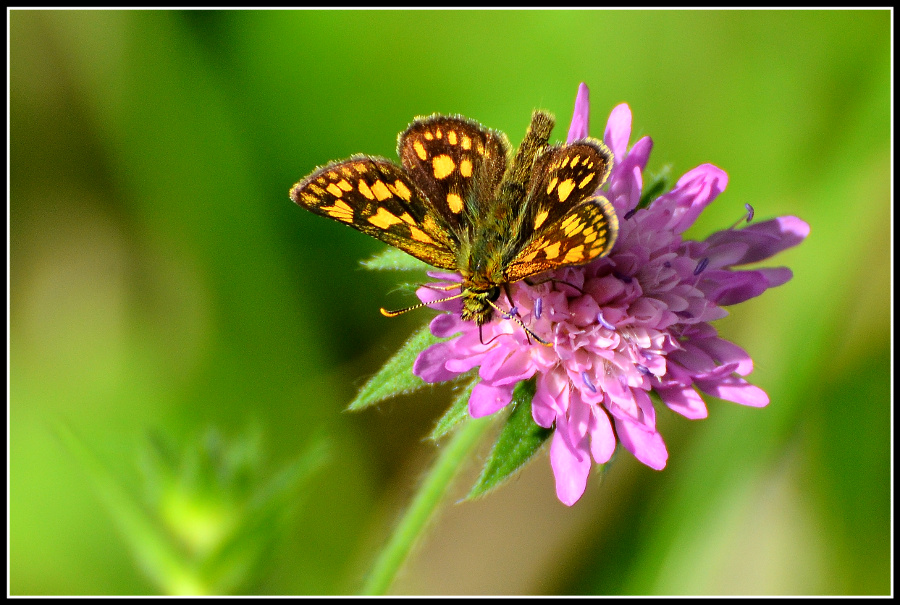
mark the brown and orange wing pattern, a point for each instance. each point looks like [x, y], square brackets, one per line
[377, 197]
[587, 231]
[457, 163]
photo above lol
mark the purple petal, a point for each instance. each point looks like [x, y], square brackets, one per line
[618, 131]
[551, 398]
[683, 400]
[693, 192]
[726, 288]
[603, 440]
[428, 295]
[725, 352]
[446, 324]
[737, 390]
[487, 399]
[640, 152]
[515, 369]
[776, 276]
[570, 466]
[430, 365]
[764, 239]
[646, 446]
[580, 118]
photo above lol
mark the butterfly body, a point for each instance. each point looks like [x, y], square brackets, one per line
[459, 203]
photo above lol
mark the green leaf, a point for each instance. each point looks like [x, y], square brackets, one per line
[518, 441]
[396, 376]
[394, 259]
[655, 186]
[157, 555]
[456, 413]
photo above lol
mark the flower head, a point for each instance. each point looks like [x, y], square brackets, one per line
[635, 321]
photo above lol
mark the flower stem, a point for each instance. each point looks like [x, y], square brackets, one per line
[423, 506]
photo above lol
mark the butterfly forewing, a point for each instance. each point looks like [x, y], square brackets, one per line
[376, 197]
[457, 163]
[563, 177]
[582, 234]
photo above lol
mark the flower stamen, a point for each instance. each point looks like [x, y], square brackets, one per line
[602, 321]
[587, 382]
[701, 266]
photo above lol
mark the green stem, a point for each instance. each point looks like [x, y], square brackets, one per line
[424, 505]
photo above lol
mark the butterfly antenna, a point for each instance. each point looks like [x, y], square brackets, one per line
[523, 326]
[387, 313]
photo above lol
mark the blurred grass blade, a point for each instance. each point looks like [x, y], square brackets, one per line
[396, 376]
[518, 441]
[455, 414]
[156, 554]
[393, 259]
[242, 554]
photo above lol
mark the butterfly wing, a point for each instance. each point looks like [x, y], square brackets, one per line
[375, 196]
[563, 177]
[457, 163]
[585, 232]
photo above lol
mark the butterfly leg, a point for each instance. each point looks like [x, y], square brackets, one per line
[554, 280]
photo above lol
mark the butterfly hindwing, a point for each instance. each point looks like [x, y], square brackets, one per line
[563, 177]
[376, 197]
[457, 163]
[582, 234]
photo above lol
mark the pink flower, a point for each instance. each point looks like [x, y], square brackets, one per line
[639, 320]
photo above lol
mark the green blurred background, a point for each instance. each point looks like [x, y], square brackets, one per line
[161, 280]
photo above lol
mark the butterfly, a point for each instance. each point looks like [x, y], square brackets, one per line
[457, 201]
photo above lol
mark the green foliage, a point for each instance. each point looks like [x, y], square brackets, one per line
[208, 517]
[396, 376]
[394, 259]
[518, 441]
[456, 413]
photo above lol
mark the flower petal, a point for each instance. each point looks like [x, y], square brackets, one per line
[737, 390]
[571, 466]
[487, 399]
[764, 239]
[647, 446]
[581, 116]
[618, 131]
[603, 440]
[683, 400]
[430, 365]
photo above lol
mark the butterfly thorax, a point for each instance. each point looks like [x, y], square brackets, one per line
[495, 239]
